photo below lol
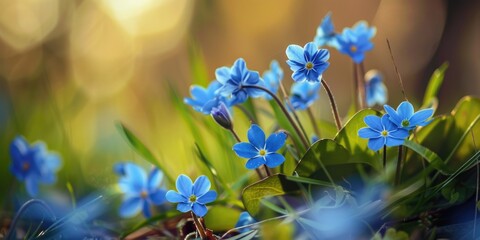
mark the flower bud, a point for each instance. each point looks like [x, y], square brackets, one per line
[221, 115]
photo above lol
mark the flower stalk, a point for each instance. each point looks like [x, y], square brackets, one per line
[336, 116]
[199, 226]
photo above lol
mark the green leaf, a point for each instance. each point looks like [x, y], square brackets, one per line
[275, 185]
[449, 137]
[428, 155]
[358, 147]
[141, 149]
[221, 218]
[198, 67]
[434, 84]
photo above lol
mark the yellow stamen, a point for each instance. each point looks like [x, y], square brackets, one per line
[192, 198]
[384, 133]
[262, 152]
[353, 48]
[309, 65]
[143, 194]
[25, 166]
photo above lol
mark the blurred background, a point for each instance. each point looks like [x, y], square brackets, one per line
[71, 69]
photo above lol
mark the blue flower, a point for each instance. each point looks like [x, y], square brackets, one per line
[139, 190]
[204, 99]
[304, 94]
[307, 63]
[243, 220]
[233, 79]
[326, 32]
[406, 118]
[356, 41]
[33, 164]
[375, 90]
[258, 151]
[314, 138]
[381, 131]
[272, 78]
[192, 196]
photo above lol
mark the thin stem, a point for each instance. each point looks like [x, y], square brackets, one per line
[247, 113]
[355, 87]
[287, 99]
[384, 157]
[399, 165]
[23, 208]
[476, 191]
[332, 104]
[199, 226]
[235, 135]
[292, 122]
[396, 70]
[267, 171]
[361, 85]
[312, 120]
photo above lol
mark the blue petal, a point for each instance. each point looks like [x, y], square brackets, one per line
[275, 141]
[175, 197]
[421, 116]
[256, 136]
[158, 197]
[310, 50]
[198, 92]
[146, 209]
[255, 162]
[391, 142]
[31, 183]
[274, 160]
[201, 185]
[135, 179]
[154, 179]
[298, 76]
[18, 148]
[222, 74]
[184, 185]
[368, 133]
[199, 209]
[184, 207]
[394, 117]
[376, 143]
[130, 206]
[295, 53]
[208, 197]
[374, 122]
[405, 110]
[388, 124]
[239, 69]
[245, 150]
[400, 133]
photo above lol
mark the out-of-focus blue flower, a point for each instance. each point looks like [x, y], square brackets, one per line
[221, 115]
[304, 94]
[406, 118]
[326, 33]
[192, 196]
[243, 220]
[307, 63]
[272, 78]
[204, 99]
[375, 89]
[33, 164]
[258, 151]
[139, 190]
[382, 131]
[356, 41]
[233, 79]
[314, 138]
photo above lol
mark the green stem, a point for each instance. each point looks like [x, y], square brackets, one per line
[336, 116]
[292, 122]
[199, 226]
[399, 165]
[355, 87]
[384, 157]
[312, 120]
[361, 85]
[287, 99]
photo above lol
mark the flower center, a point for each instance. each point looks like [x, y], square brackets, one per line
[309, 65]
[262, 152]
[143, 194]
[192, 198]
[353, 48]
[405, 123]
[25, 166]
[384, 133]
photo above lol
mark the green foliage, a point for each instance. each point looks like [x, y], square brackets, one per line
[276, 185]
[391, 234]
[142, 150]
[436, 80]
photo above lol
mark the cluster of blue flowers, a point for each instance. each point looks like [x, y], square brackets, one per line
[393, 127]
